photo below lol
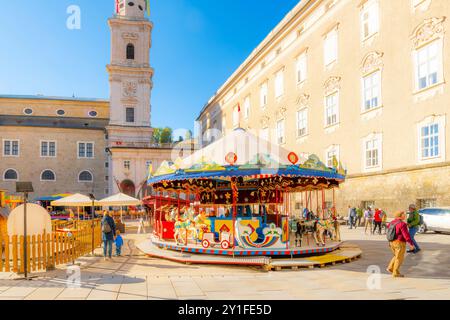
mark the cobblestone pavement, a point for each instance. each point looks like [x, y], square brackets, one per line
[138, 277]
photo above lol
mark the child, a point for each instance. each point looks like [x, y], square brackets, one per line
[119, 243]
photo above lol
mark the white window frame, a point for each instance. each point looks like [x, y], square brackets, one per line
[125, 165]
[236, 116]
[327, 107]
[429, 121]
[334, 150]
[331, 48]
[8, 169]
[303, 122]
[82, 181]
[85, 150]
[372, 9]
[439, 43]
[281, 131]
[54, 174]
[376, 90]
[11, 141]
[378, 138]
[279, 83]
[247, 107]
[48, 148]
[301, 68]
[263, 94]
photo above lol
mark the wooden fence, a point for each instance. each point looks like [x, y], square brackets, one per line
[46, 251]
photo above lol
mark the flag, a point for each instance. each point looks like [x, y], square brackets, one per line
[239, 107]
[147, 3]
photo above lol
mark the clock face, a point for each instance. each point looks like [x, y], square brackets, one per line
[130, 89]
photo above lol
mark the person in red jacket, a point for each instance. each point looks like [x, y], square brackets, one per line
[398, 246]
[378, 220]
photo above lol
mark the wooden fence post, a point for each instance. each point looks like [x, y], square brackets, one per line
[22, 262]
[33, 251]
[7, 262]
[39, 250]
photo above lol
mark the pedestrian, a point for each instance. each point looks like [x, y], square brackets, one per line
[119, 243]
[108, 233]
[378, 220]
[398, 236]
[351, 217]
[413, 225]
[359, 216]
[384, 222]
[368, 218]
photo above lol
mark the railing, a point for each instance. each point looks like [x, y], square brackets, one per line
[45, 251]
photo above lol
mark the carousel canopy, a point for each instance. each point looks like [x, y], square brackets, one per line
[242, 154]
[76, 200]
[120, 199]
[53, 197]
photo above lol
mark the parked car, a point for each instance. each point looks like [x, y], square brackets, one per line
[435, 219]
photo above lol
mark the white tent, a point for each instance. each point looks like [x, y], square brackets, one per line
[38, 220]
[76, 200]
[119, 199]
[245, 145]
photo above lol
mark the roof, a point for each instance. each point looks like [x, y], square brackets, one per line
[42, 97]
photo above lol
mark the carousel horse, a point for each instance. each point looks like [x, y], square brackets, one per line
[305, 227]
[185, 228]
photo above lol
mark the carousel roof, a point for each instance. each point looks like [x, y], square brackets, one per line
[242, 154]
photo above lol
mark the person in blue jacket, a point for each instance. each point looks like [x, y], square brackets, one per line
[108, 234]
[119, 244]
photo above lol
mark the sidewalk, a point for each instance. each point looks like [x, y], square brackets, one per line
[137, 277]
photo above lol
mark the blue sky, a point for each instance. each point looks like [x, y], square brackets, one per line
[197, 44]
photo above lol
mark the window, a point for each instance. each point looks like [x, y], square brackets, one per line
[10, 175]
[148, 163]
[48, 149]
[130, 115]
[106, 164]
[368, 204]
[372, 152]
[236, 116]
[247, 107]
[28, 111]
[426, 203]
[369, 20]
[331, 48]
[85, 176]
[280, 132]
[60, 112]
[372, 91]
[430, 141]
[302, 122]
[301, 68]
[10, 148]
[130, 51]
[429, 65]
[86, 150]
[48, 175]
[279, 83]
[332, 153]
[331, 110]
[93, 114]
[263, 95]
[127, 164]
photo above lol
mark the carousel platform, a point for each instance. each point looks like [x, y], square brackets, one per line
[316, 257]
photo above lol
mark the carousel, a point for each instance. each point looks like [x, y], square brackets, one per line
[240, 197]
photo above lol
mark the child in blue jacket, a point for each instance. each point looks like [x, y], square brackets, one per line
[119, 243]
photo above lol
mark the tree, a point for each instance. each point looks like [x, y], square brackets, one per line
[166, 135]
[156, 135]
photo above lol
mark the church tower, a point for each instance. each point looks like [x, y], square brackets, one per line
[130, 75]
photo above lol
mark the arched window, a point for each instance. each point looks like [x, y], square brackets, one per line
[85, 176]
[130, 51]
[10, 175]
[48, 175]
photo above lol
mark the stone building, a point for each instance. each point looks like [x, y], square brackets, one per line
[362, 81]
[88, 145]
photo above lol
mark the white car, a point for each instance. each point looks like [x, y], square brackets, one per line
[435, 219]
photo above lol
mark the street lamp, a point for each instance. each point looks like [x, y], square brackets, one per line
[92, 197]
[25, 187]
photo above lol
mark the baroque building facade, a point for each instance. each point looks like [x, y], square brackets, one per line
[88, 145]
[361, 81]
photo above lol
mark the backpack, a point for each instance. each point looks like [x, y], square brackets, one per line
[391, 233]
[106, 228]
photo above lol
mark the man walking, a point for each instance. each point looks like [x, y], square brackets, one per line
[359, 216]
[368, 218]
[378, 220]
[351, 216]
[108, 234]
[413, 225]
[398, 236]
